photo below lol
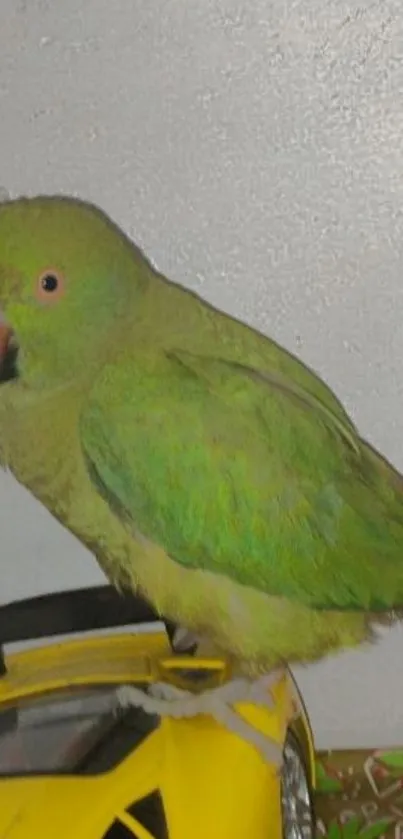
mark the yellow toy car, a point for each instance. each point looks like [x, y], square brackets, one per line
[75, 766]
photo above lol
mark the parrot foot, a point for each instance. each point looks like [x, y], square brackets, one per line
[167, 700]
[184, 640]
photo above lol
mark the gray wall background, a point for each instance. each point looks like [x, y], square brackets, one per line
[254, 149]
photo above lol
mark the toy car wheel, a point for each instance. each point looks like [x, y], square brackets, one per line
[296, 796]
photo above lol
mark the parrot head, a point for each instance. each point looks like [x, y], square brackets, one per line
[67, 279]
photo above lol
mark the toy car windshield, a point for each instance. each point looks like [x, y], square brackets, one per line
[75, 732]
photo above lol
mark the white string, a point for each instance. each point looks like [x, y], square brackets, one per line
[167, 700]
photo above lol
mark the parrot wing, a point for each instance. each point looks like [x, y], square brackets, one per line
[241, 472]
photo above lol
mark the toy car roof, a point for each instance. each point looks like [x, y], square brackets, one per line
[72, 612]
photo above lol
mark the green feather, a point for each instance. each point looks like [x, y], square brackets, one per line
[234, 475]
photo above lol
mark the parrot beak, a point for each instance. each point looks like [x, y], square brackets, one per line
[5, 338]
[8, 353]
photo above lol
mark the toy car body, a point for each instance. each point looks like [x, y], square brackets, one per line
[72, 765]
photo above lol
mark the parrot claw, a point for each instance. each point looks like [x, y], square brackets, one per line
[167, 700]
[183, 640]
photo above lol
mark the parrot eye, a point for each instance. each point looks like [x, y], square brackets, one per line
[49, 283]
[50, 286]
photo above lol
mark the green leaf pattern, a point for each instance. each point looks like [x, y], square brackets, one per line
[358, 795]
[355, 829]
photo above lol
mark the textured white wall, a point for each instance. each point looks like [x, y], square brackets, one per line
[254, 149]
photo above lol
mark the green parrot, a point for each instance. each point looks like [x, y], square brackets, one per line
[204, 465]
